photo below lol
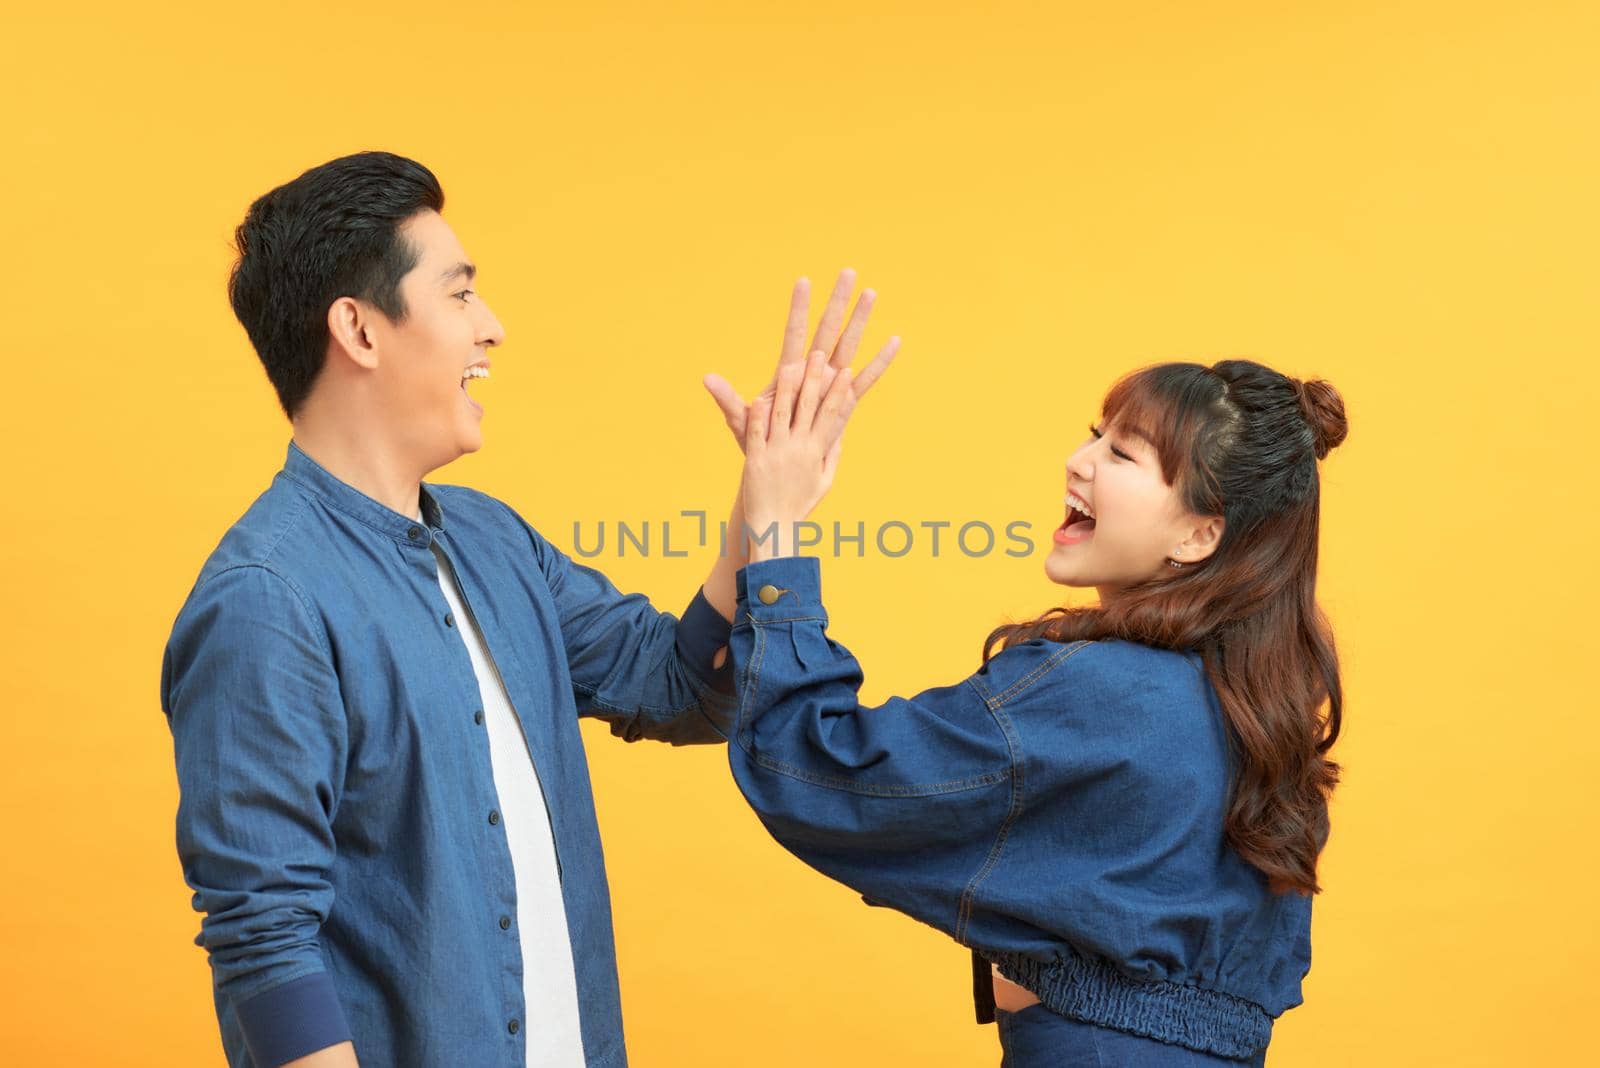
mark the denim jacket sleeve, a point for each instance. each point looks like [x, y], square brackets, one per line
[259, 738]
[647, 672]
[905, 802]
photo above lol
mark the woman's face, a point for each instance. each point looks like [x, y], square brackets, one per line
[1139, 521]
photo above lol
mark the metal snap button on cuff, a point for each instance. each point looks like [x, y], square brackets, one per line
[769, 594]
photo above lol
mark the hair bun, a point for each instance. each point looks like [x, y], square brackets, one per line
[1323, 410]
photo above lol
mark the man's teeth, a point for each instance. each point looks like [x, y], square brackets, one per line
[475, 372]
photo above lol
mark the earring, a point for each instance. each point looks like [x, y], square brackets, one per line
[1173, 563]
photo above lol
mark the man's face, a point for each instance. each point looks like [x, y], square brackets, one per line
[424, 362]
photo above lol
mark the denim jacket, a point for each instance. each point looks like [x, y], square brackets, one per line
[1060, 812]
[338, 816]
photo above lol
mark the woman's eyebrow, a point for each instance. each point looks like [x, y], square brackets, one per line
[1135, 432]
[1113, 427]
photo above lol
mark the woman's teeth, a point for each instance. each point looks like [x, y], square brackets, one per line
[1079, 525]
[475, 372]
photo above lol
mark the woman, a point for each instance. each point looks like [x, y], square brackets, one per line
[1120, 811]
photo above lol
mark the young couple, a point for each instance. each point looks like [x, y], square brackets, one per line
[374, 686]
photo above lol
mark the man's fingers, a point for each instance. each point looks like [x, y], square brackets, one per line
[729, 401]
[794, 331]
[874, 370]
[827, 334]
[845, 353]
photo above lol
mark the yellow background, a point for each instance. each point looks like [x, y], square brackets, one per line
[1399, 197]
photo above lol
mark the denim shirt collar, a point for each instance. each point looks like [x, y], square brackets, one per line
[299, 466]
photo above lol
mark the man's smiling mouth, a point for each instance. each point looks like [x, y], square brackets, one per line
[477, 370]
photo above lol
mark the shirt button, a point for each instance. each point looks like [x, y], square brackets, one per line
[768, 594]
[513, 1026]
[414, 532]
[505, 923]
[477, 717]
[449, 619]
[494, 816]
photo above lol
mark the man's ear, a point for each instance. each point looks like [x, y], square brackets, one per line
[1203, 539]
[350, 329]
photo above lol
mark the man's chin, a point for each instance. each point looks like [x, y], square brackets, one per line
[470, 439]
[467, 440]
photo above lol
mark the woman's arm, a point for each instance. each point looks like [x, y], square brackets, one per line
[836, 341]
[905, 802]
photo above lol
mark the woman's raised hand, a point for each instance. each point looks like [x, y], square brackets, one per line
[792, 442]
[835, 339]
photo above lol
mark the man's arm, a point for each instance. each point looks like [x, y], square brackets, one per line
[259, 741]
[649, 673]
[720, 589]
[341, 1056]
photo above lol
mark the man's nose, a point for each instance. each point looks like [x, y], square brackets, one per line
[492, 333]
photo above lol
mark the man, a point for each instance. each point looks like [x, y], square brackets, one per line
[374, 685]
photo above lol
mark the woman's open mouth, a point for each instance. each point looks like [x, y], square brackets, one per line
[1077, 528]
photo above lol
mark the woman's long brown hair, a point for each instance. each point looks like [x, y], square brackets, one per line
[1242, 441]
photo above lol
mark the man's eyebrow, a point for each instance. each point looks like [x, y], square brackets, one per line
[459, 269]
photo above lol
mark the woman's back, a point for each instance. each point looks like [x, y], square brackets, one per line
[1117, 848]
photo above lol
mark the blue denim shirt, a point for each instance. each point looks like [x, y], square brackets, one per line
[1060, 811]
[338, 818]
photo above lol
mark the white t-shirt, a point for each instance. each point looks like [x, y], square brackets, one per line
[549, 985]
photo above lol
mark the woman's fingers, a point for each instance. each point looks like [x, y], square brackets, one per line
[880, 363]
[811, 387]
[783, 398]
[835, 410]
[755, 433]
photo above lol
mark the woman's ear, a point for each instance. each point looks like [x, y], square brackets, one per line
[1202, 541]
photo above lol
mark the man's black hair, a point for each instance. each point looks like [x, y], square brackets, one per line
[332, 232]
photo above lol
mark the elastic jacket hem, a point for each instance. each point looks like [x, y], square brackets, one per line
[1092, 990]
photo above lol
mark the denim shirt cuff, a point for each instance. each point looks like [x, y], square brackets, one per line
[701, 632]
[290, 1020]
[787, 587]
